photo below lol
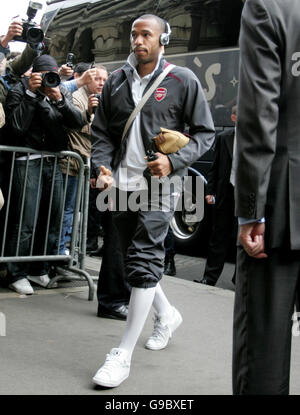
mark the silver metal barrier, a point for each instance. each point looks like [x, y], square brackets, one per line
[15, 229]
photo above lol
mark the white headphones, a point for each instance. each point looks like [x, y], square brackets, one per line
[164, 38]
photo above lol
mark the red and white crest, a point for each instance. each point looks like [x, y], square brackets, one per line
[160, 94]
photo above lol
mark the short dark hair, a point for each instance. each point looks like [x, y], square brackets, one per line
[161, 22]
[82, 67]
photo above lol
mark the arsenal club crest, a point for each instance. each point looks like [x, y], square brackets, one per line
[160, 94]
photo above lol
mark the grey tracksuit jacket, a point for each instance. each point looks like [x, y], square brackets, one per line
[183, 103]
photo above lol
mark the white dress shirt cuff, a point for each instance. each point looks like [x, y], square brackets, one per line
[244, 221]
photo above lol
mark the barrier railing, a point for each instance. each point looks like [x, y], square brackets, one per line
[16, 233]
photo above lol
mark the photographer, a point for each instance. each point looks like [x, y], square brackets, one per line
[39, 114]
[83, 75]
[86, 100]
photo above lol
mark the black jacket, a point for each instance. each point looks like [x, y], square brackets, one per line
[268, 138]
[218, 178]
[36, 122]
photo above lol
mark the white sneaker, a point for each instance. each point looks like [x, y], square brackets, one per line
[163, 330]
[42, 280]
[114, 371]
[22, 286]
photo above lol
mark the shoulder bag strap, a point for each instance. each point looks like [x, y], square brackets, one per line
[145, 98]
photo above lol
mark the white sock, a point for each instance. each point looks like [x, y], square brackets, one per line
[140, 303]
[160, 303]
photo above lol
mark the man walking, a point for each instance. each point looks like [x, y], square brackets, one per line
[220, 193]
[178, 100]
[267, 196]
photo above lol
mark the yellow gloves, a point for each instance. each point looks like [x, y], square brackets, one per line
[170, 141]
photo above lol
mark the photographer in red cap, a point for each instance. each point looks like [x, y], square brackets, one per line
[39, 112]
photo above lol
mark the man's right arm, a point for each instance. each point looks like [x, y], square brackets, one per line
[23, 62]
[260, 80]
[102, 146]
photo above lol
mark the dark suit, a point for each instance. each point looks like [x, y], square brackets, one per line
[224, 221]
[267, 185]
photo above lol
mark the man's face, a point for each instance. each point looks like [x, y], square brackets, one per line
[145, 40]
[96, 86]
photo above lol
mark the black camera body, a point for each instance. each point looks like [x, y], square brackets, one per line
[32, 33]
[50, 79]
[98, 97]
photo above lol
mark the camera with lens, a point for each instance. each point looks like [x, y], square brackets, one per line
[50, 79]
[98, 97]
[32, 33]
[70, 60]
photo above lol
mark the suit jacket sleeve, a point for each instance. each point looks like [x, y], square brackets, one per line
[259, 91]
[102, 145]
[212, 176]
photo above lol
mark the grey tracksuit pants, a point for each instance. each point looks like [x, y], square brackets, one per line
[142, 235]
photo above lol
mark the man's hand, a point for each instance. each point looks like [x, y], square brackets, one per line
[210, 199]
[93, 183]
[53, 93]
[251, 237]
[92, 103]
[65, 71]
[104, 180]
[161, 166]
[87, 77]
[15, 29]
[35, 81]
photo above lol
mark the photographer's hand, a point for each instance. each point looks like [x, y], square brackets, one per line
[35, 81]
[65, 71]
[53, 93]
[15, 29]
[92, 103]
[87, 77]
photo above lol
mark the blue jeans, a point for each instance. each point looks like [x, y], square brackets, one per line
[35, 199]
[72, 186]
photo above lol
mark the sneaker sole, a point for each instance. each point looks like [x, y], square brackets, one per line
[109, 384]
[19, 292]
[41, 284]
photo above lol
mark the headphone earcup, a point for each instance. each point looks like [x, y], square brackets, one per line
[164, 39]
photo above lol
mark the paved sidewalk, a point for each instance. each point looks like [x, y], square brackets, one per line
[54, 344]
